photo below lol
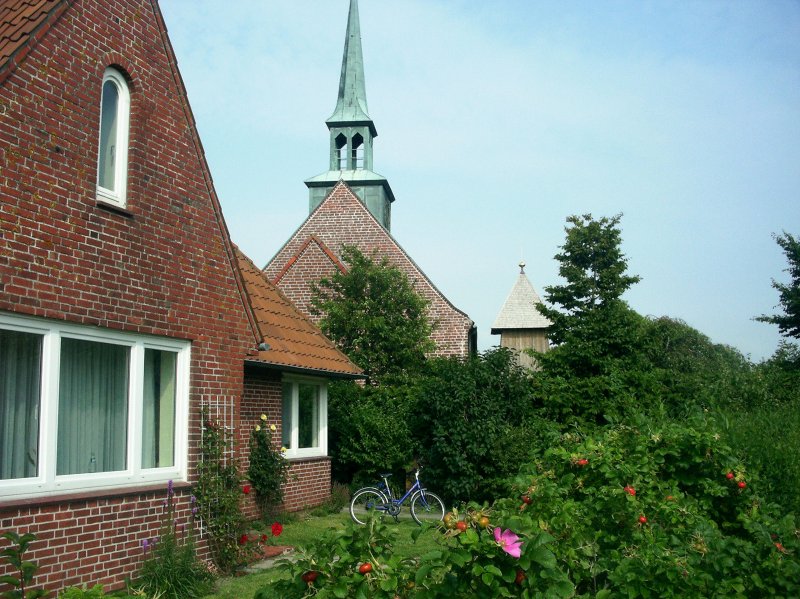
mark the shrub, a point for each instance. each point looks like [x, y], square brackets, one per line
[268, 469]
[471, 421]
[218, 493]
[171, 568]
[359, 562]
[368, 430]
[656, 509]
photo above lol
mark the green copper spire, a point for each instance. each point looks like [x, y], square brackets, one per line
[351, 136]
[351, 105]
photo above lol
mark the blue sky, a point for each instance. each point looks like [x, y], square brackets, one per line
[497, 120]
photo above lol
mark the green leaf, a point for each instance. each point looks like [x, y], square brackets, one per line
[543, 556]
[8, 579]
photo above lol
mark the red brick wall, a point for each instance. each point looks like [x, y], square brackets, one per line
[343, 220]
[92, 541]
[309, 483]
[161, 267]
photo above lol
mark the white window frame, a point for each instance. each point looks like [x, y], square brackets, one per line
[116, 196]
[321, 450]
[47, 482]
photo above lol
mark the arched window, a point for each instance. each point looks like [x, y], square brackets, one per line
[358, 151]
[341, 151]
[112, 156]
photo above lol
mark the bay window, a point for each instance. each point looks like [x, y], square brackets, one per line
[86, 409]
[305, 418]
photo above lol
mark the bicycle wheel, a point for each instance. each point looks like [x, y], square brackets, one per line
[427, 507]
[365, 501]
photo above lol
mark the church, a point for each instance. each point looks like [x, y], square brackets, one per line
[350, 204]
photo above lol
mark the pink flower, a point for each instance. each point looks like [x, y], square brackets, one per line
[509, 542]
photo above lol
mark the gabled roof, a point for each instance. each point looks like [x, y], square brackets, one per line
[519, 310]
[294, 343]
[22, 24]
[369, 236]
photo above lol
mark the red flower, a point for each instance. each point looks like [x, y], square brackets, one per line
[629, 490]
[243, 540]
[263, 538]
[277, 529]
[780, 548]
[246, 489]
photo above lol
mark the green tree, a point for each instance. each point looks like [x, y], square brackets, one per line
[592, 325]
[592, 372]
[789, 293]
[375, 316]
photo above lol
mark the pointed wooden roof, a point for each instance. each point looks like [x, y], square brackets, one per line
[289, 341]
[22, 24]
[519, 311]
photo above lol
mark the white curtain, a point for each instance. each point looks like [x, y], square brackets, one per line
[308, 416]
[158, 417]
[108, 136]
[92, 407]
[20, 375]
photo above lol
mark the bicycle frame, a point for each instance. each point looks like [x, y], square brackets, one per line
[425, 505]
[417, 486]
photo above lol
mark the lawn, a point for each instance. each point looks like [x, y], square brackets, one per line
[306, 529]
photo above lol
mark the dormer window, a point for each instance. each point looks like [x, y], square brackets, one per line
[112, 158]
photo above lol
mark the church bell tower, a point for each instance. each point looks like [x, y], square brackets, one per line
[352, 134]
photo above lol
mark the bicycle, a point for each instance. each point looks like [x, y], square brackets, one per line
[425, 506]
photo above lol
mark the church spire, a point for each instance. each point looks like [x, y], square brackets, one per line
[351, 104]
[352, 133]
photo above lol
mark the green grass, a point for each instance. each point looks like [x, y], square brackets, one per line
[306, 529]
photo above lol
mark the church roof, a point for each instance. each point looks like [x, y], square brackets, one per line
[351, 103]
[519, 310]
[290, 341]
[22, 24]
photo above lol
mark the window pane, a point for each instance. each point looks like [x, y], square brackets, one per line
[286, 417]
[108, 136]
[92, 407]
[20, 375]
[158, 418]
[308, 416]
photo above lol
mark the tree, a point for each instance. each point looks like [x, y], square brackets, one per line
[375, 316]
[788, 322]
[594, 325]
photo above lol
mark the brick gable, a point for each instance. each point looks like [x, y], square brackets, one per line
[342, 219]
[163, 266]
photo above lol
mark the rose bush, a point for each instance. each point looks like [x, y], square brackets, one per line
[638, 510]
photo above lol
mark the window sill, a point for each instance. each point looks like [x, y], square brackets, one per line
[61, 498]
[307, 458]
[101, 203]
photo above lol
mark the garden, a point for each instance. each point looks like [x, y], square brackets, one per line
[640, 459]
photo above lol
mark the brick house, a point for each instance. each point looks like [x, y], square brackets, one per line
[350, 204]
[124, 306]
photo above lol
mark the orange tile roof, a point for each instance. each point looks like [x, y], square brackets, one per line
[295, 343]
[22, 24]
